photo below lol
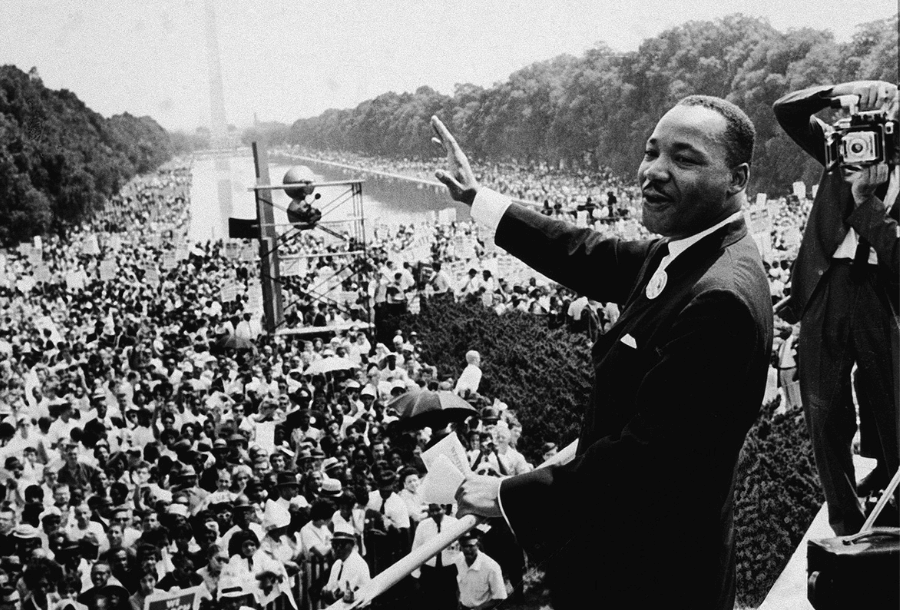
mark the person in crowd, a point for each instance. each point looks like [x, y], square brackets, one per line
[479, 578]
[470, 379]
[437, 577]
[849, 262]
[699, 302]
[349, 572]
[415, 507]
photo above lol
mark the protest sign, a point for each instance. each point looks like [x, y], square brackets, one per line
[90, 245]
[42, 273]
[248, 253]
[25, 284]
[108, 270]
[447, 215]
[169, 260]
[265, 435]
[178, 599]
[294, 266]
[233, 249]
[75, 280]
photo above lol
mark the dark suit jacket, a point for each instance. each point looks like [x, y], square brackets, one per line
[833, 211]
[643, 517]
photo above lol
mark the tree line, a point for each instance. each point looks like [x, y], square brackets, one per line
[60, 160]
[598, 109]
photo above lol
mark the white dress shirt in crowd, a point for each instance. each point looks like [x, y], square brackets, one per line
[395, 512]
[428, 529]
[312, 537]
[352, 573]
[480, 582]
[469, 380]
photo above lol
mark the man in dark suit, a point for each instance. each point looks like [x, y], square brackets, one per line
[678, 379]
[844, 290]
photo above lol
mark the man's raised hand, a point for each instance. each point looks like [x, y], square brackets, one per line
[458, 178]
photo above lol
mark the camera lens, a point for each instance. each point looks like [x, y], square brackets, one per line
[857, 147]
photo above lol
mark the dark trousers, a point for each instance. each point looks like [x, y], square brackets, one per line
[847, 322]
[437, 587]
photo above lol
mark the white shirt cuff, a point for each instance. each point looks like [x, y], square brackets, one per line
[503, 512]
[489, 207]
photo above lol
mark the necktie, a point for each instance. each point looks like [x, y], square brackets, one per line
[438, 563]
[340, 572]
[503, 471]
[860, 258]
[659, 278]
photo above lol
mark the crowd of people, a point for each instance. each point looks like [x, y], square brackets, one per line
[143, 451]
[155, 439]
[459, 260]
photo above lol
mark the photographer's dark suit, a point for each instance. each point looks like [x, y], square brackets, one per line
[643, 517]
[847, 310]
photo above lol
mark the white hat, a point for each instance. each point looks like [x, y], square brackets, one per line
[178, 509]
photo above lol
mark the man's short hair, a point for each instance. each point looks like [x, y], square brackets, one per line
[740, 134]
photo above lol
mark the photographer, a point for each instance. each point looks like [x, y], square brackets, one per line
[844, 290]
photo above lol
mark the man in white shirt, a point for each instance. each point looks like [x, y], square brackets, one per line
[349, 572]
[440, 282]
[437, 577]
[506, 460]
[479, 577]
[389, 519]
[470, 378]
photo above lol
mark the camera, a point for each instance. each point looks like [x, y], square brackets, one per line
[862, 139]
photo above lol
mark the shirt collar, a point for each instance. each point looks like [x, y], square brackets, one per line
[677, 246]
[476, 565]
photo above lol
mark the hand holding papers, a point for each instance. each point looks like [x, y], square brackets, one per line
[447, 469]
[450, 477]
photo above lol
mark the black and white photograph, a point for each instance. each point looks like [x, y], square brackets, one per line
[462, 305]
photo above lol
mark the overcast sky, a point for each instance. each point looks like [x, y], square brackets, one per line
[286, 59]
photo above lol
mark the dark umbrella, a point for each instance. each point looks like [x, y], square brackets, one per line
[420, 408]
[236, 343]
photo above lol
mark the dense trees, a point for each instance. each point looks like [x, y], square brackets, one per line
[59, 159]
[599, 108]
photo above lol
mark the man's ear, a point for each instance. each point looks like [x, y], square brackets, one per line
[740, 176]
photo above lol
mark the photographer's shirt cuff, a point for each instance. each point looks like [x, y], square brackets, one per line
[489, 207]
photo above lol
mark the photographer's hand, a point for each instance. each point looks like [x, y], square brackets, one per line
[873, 94]
[866, 180]
[460, 179]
